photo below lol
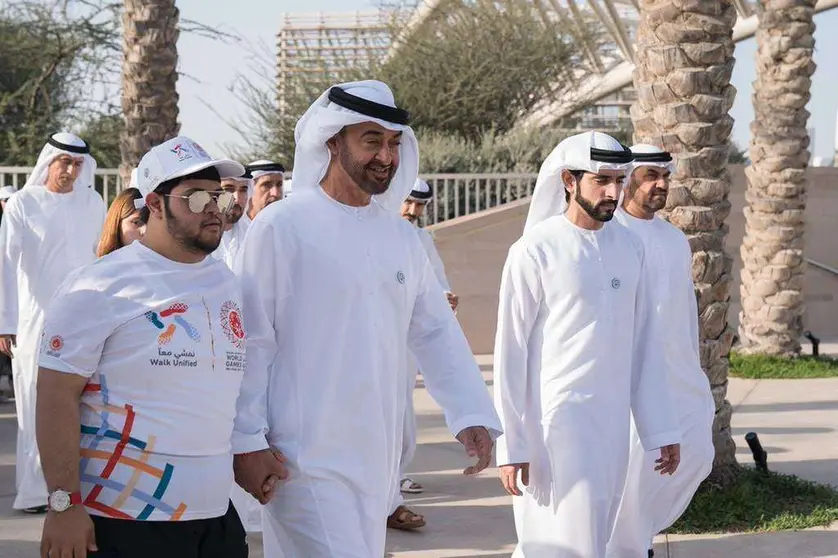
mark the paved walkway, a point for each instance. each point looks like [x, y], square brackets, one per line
[470, 517]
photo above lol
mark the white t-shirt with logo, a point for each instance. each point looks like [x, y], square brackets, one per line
[163, 346]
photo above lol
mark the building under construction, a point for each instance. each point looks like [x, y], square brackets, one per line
[324, 47]
[320, 48]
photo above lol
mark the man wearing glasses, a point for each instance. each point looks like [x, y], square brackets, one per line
[141, 362]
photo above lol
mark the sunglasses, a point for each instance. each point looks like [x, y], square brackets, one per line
[199, 199]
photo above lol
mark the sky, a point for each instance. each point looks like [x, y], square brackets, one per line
[209, 68]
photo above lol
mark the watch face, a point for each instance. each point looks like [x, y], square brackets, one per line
[59, 501]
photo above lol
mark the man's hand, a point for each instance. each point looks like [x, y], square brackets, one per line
[478, 443]
[258, 472]
[453, 300]
[6, 344]
[669, 460]
[509, 477]
[68, 534]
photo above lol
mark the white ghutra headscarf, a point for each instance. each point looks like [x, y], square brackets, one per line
[259, 168]
[647, 155]
[591, 152]
[353, 103]
[63, 143]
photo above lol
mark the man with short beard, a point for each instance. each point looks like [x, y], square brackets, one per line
[261, 186]
[337, 287]
[141, 363]
[575, 353]
[50, 228]
[236, 220]
[651, 502]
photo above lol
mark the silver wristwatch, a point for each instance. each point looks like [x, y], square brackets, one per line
[61, 500]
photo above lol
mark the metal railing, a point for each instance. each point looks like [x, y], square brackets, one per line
[455, 195]
[107, 181]
[458, 195]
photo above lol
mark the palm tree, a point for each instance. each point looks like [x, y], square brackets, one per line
[683, 66]
[771, 321]
[149, 78]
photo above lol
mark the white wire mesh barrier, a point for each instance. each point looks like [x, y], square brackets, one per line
[455, 195]
[107, 181]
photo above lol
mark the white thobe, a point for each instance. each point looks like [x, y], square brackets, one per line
[652, 502]
[333, 298]
[575, 356]
[248, 508]
[232, 241]
[409, 429]
[44, 236]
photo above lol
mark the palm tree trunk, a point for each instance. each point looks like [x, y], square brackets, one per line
[771, 321]
[149, 78]
[682, 77]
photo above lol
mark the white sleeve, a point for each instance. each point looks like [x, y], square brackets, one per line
[691, 304]
[11, 248]
[518, 306]
[436, 261]
[451, 374]
[74, 337]
[651, 396]
[264, 288]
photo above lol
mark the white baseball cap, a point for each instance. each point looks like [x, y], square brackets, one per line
[6, 192]
[178, 157]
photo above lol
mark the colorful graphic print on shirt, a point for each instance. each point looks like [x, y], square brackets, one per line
[168, 321]
[109, 496]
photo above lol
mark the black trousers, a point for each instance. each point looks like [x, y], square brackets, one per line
[219, 537]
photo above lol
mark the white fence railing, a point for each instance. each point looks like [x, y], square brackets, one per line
[455, 195]
[107, 181]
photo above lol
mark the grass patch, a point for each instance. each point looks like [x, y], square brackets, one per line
[759, 502]
[759, 367]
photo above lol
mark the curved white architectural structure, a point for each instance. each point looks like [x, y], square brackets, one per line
[613, 65]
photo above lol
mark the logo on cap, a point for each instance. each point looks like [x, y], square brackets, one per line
[400, 277]
[182, 152]
[615, 283]
[200, 151]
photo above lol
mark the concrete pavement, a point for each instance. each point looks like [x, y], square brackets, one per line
[470, 516]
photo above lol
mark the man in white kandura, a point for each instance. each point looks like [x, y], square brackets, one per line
[652, 502]
[401, 517]
[337, 288]
[259, 187]
[50, 227]
[576, 354]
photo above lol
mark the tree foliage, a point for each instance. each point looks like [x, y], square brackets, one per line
[479, 66]
[460, 92]
[60, 63]
[55, 71]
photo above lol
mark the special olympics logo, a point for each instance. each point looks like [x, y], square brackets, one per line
[231, 323]
[56, 343]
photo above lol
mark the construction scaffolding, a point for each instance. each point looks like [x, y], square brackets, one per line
[318, 48]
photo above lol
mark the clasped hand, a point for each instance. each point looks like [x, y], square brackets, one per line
[259, 471]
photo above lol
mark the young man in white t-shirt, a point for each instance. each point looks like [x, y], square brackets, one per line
[145, 351]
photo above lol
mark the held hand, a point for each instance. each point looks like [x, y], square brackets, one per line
[68, 533]
[478, 443]
[453, 300]
[258, 472]
[509, 477]
[669, 459]
[7, 342]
